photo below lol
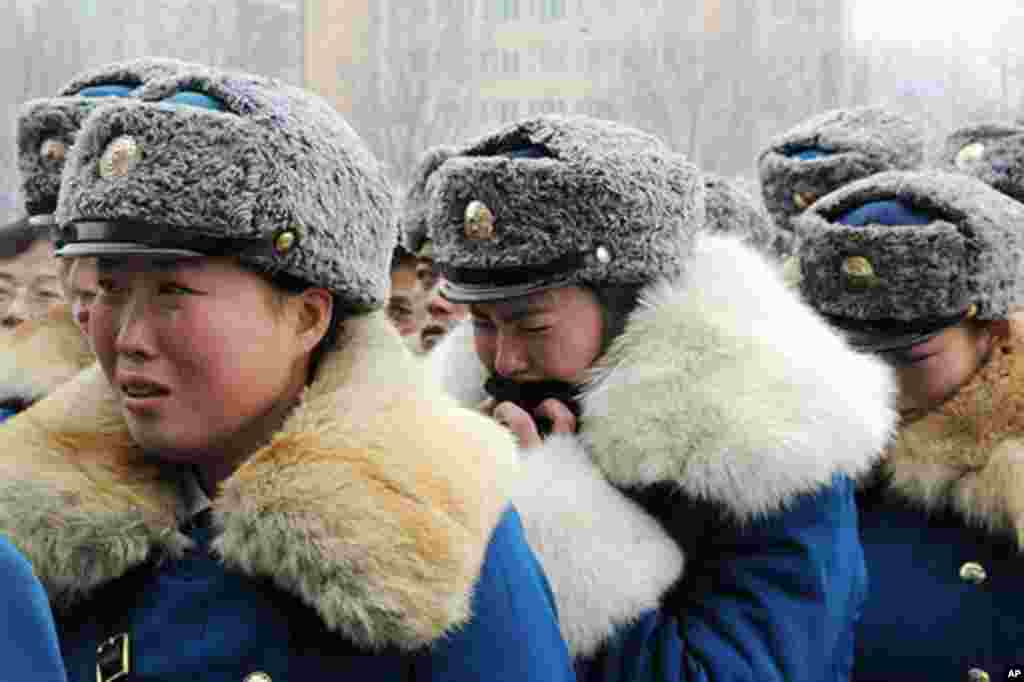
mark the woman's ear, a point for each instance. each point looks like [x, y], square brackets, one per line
[314, 315]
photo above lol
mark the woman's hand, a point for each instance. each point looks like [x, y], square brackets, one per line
[523, 426]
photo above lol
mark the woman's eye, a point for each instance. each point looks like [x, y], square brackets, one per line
[399, 312]
[175, 289]
[482, 325]
[535, 330]
[50, 295]
[107, 287]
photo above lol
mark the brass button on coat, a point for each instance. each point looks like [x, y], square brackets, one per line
[257, 677]
[973, 572]
[978, 675]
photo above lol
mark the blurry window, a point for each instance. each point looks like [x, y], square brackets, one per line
[552, 10]
[508, 10]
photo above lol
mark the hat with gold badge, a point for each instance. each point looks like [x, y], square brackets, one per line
[555, 201]
[47, 127]
[212, 162]
[896, 258]
[830, 150]
[992, 152]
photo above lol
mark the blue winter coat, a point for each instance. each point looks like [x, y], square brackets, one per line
[28, 639]
[775, 600]
[701, 525]
[371, 539]
[942, 530]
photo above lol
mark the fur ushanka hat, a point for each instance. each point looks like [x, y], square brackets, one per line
[731, 210]
[992, 152]
[900, 256]
[554, 201]
[47, 127]
[830, 150]
[210, 162]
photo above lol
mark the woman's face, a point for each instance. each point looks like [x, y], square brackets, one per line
[940, 366]
[551, 335]
[200, 358]
[29, 285]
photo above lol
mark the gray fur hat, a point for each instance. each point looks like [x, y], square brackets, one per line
[210, 162]
[47, 127]
[905, 254]
[553, 201]
[992, 152]
[731, 210]
[830, 150]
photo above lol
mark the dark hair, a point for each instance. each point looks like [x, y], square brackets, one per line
[617, 302]
[290, 285]
[18, 237]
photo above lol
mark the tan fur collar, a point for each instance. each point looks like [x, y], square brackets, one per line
[374, 503]
[40, 355]
[968, 454]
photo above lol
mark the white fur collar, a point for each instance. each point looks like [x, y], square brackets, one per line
[374, 503]
[727, 384]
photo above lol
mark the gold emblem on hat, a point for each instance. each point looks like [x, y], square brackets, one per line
[859, 272]
[119, 157]
[803, 199]
[479, 223]
[969, 154]
[53, 150]
[284, 241]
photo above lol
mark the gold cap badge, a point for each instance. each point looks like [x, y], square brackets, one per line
[119, 157]
[859, 273]
[52, 150]
[284, 241]
[969, 154]
[803, 199]
[479, 223]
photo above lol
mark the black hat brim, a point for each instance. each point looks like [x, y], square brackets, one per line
[883, 336]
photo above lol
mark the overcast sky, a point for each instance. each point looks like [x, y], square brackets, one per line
[919, 21]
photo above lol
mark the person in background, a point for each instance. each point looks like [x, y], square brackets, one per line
[924, 269]
[232, 459]
[29, 281]
[825, 152]
[407, 303]
[442, 315]
[689, 429]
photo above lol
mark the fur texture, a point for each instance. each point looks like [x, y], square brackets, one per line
[859, 141]
[970, 254]
[600, 183]
[40, 120]
[414, 230]
[607, 560]
[277, 158]
[998, 160]
[726, 384]
[730, 210]
[968, 454]
[59, 118]
[374, 503]
[40, 355]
